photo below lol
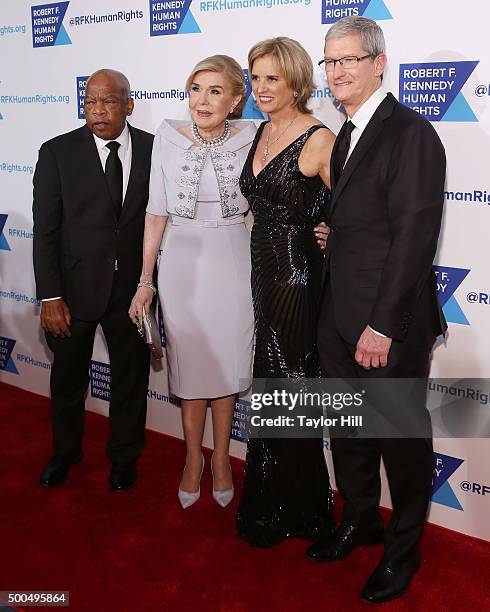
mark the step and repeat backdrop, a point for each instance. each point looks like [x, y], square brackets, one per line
[439, 65]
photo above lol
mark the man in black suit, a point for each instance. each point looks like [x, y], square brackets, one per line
[380, 315]
[90, 196]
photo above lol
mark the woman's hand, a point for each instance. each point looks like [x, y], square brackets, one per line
[321, 232]
[142, 299]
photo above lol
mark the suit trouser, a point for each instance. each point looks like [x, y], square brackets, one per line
[129, 361]
[408, 461]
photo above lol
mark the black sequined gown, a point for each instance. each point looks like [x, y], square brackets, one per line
[286, 487]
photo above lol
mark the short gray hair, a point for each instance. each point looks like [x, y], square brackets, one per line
[372, 37]
[120, 78]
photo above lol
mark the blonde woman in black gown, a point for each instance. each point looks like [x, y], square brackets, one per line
[286, 181]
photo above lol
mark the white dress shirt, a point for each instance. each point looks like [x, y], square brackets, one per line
[124, 152]
[360, 119]
[125, 155]
[363, 116]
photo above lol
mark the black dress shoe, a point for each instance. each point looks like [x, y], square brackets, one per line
[342, 541]
[388, 581]
[57, 469]
[263, 536]
[123, 476]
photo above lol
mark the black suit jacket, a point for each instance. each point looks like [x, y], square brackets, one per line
[77, 237]
[385, 217]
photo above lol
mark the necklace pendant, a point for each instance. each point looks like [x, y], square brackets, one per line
[265, 155]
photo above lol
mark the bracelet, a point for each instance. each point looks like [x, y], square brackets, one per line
[148, 285]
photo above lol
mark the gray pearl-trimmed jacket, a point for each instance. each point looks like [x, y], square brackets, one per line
[176, 167]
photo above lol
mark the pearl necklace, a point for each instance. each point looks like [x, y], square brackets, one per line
[215, 142]
[269, 144]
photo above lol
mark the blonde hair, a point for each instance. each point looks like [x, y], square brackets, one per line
[294, 62]
[223, 64]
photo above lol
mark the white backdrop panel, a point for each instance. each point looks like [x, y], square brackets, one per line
[38, 100]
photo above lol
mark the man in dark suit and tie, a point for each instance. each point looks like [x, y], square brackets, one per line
[380, 315]
[90, 196]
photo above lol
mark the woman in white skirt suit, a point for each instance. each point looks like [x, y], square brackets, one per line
[204, 271]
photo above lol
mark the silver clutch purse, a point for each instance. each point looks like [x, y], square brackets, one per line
[150, 333]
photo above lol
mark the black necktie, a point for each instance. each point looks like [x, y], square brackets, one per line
[342, 148]
[114, 176]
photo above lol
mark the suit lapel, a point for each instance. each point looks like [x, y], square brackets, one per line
[136, 161]
[364, 144]
[333, 178]
[93, 161]
[97, 171]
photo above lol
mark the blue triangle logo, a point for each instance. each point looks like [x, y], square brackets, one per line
[10, 367]
[445, 496]
[62, 38]
[189, 25]
[377, 10]
[459, 110]
[448, 281]
[4, 245]
[251, 110]
[1, 116]
[453, 313]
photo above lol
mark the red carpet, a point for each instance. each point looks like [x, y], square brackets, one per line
[138, 551]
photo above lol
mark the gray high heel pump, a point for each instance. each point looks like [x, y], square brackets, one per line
[187, 498]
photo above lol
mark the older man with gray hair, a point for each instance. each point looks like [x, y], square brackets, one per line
[380, 315]
[90, 197]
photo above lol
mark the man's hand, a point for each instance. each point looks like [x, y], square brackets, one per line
[321, 232]
[56, 318]
[372, 350]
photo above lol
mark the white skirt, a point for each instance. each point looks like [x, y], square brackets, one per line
[205, 295]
